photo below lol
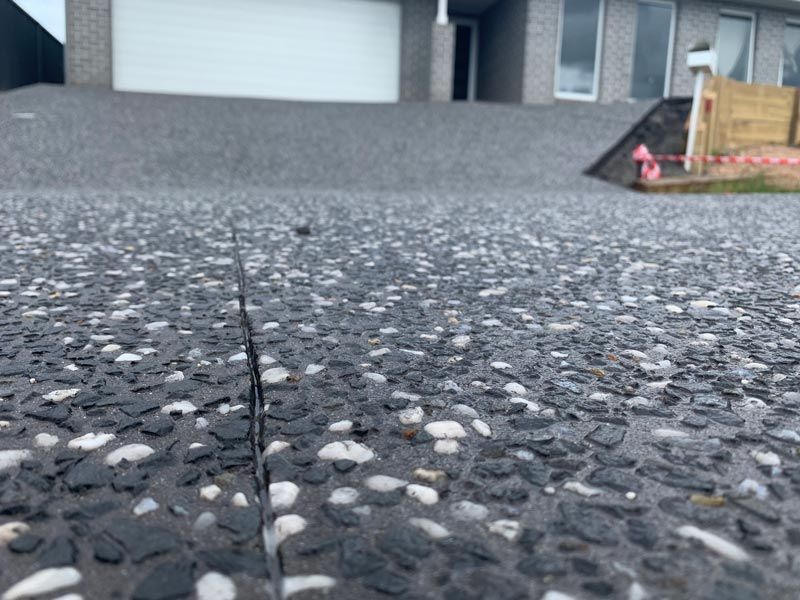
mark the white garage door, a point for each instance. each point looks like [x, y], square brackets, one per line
[341, 50]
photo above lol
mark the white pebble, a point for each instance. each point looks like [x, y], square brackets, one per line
[45, 440]
[460, 341]
[240, 357]
[174, 377]
[431, 528]
[529, 404]
[375, 377]
[128, 357]
[562, 327]
[410, 416]
[145, 506]
[630, 495]
[384, 483]
[469, 511]
[12, 530]
[131, 453]
[200, 423]
[215, 586]
[183, 407]
[61, 395]
[669, 433]
[501, 366]
[556, 595]
[506, 528]
[346, 450]
[44, 582]
[300, 583]
[422, 493]
[110, 348]
[239, 500]
[341, 426]
[314, 369]
[91, 441]
[516, 389]
[466, 411]
[713, 542]
[767, 458]
[398, 395]
[445, 429]
[12, 458]
[583, 490]
[274, 375]
[210, 492]
[276, 446]
[288, 525]
[343, 495]
[482, 428]
[446, 447]
[283, 494]
[156, 325]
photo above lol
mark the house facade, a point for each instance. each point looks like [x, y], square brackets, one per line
[522, 51]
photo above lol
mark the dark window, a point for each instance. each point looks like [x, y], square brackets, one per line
[651, 56]
[461, 63]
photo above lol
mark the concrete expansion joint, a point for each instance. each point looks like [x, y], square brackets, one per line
[257, 412]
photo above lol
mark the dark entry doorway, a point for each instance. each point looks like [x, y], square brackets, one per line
[465, 60]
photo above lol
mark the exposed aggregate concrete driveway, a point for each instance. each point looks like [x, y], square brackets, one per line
[476, 374]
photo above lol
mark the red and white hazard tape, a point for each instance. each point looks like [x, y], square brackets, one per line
[738, 160]
[648, 168]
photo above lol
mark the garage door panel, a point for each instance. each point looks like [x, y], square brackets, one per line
[292, 49]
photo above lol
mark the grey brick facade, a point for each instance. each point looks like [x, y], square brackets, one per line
[415, 51]
[540, 51]
[516, 51]
[443, 43]
[619, 37]
[88, 44]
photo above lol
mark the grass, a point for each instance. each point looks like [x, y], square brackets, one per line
[758, 184]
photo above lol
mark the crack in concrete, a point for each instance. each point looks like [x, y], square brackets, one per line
[257, 412]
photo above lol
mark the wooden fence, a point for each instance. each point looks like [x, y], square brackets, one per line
[736, 115]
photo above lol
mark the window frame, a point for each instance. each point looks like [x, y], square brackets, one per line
[673, 20]
[786, 24]
[598, 59]
[752, 50]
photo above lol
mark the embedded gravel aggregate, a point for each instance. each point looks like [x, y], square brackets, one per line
[483, 375]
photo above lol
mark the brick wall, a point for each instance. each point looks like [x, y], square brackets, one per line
[443, 44]
[769, 46]
[619, 37]
[541, 30]
[88, 45]
[501, 51]
[415, 51]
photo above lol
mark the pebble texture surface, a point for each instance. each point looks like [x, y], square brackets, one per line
[505, 393]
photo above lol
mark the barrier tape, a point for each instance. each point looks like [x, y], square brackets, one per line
[647, 163]
[738, 160]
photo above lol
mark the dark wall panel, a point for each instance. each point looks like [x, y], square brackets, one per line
[28, 54]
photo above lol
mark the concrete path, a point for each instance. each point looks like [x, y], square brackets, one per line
[410, 347]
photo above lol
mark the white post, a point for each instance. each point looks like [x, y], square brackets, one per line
[699, 78]
[441, 13]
